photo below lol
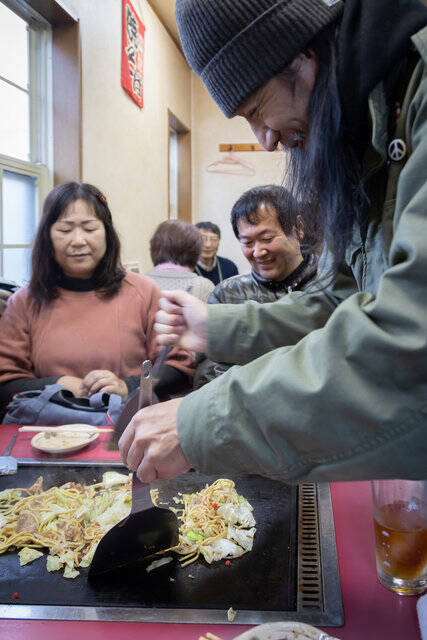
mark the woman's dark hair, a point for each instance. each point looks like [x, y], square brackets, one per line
[248, 205]
[209, 226]
[46, 272]
[324, 180]
[176, 241]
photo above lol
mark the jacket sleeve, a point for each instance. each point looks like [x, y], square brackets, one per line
[349, 400]
[205, 367]
[254, 328]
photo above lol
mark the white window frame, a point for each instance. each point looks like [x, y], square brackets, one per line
[40, 165]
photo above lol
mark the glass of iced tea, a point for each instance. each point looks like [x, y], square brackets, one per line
[400, 521]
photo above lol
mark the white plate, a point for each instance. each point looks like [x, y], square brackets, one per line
[39, 440]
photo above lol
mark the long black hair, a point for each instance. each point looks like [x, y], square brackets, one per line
[46, 272]
[324, 179]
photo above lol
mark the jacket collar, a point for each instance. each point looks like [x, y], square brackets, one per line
[304, 271]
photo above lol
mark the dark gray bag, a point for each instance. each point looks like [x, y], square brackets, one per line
[56, 405]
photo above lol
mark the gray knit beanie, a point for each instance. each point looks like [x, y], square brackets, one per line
[237, 45]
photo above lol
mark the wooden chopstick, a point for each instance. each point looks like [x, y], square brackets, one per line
[209, 636]
[89, 429]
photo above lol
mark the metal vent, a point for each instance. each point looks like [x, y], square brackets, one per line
[310, 593]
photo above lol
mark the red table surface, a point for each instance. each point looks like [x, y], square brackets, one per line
[371, 611]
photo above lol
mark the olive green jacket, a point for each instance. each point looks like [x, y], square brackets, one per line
[346, 398]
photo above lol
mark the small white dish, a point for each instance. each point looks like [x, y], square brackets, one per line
[54, 442]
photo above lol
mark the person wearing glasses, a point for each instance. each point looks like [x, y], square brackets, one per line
[210, 265]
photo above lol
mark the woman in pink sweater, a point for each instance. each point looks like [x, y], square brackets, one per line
[83, 322]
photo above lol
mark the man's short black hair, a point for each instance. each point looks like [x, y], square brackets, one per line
[209, 226]
[248, 205]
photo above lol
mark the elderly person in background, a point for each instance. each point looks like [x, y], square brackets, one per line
[210, 265]
[83, 322]
[270, 237]
[333, 383]
[175, 248]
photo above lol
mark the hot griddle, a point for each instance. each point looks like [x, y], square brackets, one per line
[264, 580]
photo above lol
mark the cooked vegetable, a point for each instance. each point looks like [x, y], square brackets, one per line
[158, 563]
[27, 555]
[66, 521]
[206, 524]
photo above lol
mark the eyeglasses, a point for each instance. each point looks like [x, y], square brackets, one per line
[210, 239]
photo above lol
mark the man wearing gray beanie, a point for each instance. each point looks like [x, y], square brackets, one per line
[331, 384]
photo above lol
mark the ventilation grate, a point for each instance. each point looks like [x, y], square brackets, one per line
[310, 593]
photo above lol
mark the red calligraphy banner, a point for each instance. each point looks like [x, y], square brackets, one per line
[133, 33]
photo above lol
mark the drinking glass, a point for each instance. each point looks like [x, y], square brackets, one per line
[400, 522]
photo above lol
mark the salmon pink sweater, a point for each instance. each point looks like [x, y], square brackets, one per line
[80, 331]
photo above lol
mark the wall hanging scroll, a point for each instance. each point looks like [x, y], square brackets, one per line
[133, 34]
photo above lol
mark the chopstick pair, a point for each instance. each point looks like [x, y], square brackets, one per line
[89, 429]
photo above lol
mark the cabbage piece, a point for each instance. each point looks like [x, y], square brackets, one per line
[231, 614]
[88, 557]
[4, 495]
[194, 535]
[241, 514]
[245, 503]
[70, 573]
[54, 511]
[27, 555]
[67, 557]
[53, 563]
[83, 512]
[158, 563]
[243, 537]
[3, 520]
[112, 478]
[219, 549]
[119, 510]
[99, 506]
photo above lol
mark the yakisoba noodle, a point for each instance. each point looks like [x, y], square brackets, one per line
[215, 522]
[68, 521]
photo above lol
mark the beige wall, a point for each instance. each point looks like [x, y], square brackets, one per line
[213, 193]
[125, 149]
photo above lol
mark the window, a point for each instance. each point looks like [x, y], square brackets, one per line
[25, 138]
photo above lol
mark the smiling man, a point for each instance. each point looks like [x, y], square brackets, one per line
[270, 237]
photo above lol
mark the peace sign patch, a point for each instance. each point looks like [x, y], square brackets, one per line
[397, 149]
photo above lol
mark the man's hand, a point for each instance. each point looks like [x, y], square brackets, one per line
[182, 320]
[150, 446]
[72, 383]
[104, 381]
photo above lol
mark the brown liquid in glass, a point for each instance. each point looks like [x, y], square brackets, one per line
[401, 540]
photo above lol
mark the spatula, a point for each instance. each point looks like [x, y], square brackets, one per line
[148, 529]
[135, 397]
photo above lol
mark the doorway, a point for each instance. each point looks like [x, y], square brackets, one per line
[179, 163]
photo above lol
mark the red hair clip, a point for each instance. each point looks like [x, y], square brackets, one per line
[102, 198]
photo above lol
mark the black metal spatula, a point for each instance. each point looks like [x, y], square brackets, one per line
[148, 529]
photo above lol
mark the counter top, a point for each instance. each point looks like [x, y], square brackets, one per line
[371, 611]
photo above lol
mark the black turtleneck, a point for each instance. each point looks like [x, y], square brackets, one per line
[75, 284]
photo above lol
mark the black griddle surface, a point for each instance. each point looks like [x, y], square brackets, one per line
[264, 579]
